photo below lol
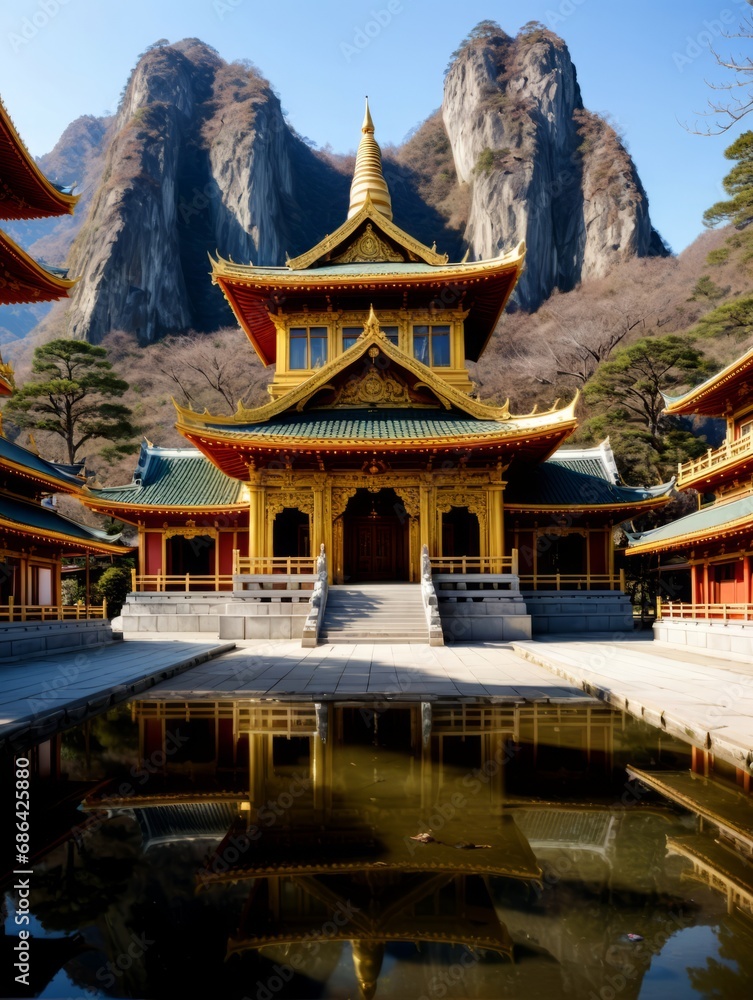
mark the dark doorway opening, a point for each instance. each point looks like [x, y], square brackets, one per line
[376, 537]
[191, 555]
[460, 533]
[564, 554]
[291, 535]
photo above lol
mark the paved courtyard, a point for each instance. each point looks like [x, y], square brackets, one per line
[704, 699]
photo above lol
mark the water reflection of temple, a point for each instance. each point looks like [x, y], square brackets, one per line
[719, 854]
[263, 738]
[341, 850]
[336, 792]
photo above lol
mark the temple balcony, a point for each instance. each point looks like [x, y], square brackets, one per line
[731, 459]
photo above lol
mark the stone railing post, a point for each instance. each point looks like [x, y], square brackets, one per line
[429, 598]
[317, 602]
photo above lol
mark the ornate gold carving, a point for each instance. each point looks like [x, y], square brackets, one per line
[369, 247]
[474, 502]
[340, 497]
[373, 389]
[297, 499]
[409, 495]
[191, 530]
[411, 499]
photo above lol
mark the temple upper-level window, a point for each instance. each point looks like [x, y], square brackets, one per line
[431, 345]
[308, 347]
[352, 333]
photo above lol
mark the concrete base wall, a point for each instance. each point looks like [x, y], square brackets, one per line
[559, 612]
[242, 615]
[20, 639]
[495, 619]
[273, 621]
[488, 628]
[700, 634]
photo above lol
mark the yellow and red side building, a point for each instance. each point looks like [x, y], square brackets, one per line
[34, 537]
[708, 553]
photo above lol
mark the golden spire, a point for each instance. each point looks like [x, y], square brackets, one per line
[368, 179]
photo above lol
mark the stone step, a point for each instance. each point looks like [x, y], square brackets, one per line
[381, 613]
[375, 640]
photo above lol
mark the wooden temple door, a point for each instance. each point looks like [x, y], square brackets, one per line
[375, 548]
[375, 538]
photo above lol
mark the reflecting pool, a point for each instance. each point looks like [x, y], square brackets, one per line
[257, 850]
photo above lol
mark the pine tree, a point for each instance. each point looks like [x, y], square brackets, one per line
[71, 394]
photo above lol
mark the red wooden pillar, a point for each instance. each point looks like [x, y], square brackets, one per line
[695, 596]
[746, 581]
[706, 581]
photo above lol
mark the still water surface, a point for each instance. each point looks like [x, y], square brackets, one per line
[240, 850]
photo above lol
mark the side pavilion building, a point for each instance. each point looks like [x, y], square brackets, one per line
[34, 537]
[705, 559]
[373, 442]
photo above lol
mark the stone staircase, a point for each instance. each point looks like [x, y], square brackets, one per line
[374, 612]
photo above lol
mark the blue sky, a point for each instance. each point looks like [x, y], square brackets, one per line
[646, 62]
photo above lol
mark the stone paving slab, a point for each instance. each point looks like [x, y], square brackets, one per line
[699, 698]
[43, 695]
[370, 671]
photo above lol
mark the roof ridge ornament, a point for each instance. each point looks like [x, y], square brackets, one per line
[368, 179]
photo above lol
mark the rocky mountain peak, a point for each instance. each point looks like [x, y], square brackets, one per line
[523, 142]
[199, 158]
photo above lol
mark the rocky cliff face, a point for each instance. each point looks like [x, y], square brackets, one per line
[200, 158]
[539, 166]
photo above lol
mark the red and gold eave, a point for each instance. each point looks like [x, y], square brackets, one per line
[24, 280]
[236, 458]
[146, 516]
[485, 287]
[410, 276]
[59, 543]
[239, 443]
[722, 395]
[25, 192]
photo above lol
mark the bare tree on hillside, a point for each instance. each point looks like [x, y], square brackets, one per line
[192, 364]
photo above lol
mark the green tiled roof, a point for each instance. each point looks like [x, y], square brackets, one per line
[596, 461]
[354, 270]
[11, 452]
[586, 466]
[552, 484]
[175, 477]
[30, 515]
[706, 519]
[369, 425]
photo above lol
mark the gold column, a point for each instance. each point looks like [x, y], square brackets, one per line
[427, 531]
[338, 552]
[142, 549]
[414, 550]
[495, 523]
[317, 521]
[257, 521]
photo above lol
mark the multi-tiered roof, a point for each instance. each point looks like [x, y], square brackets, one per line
[25, 193]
